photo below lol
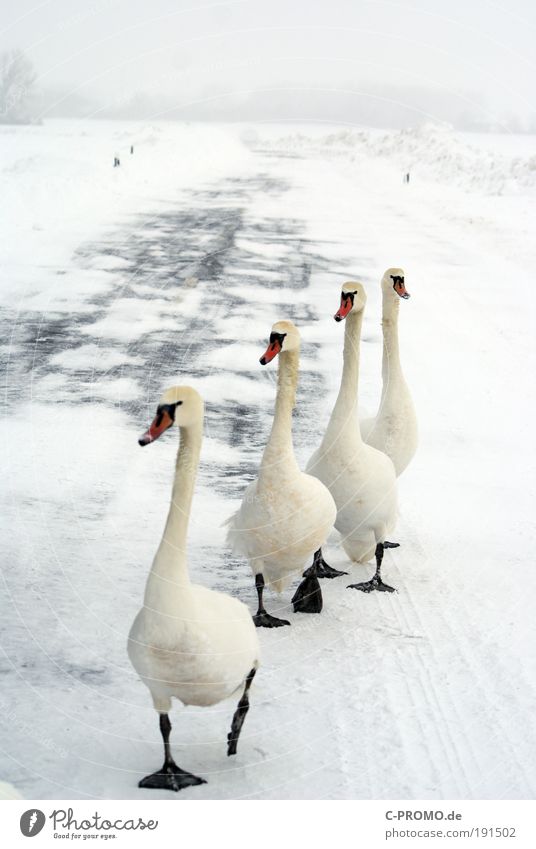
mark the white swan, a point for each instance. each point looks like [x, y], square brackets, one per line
[285, 515]
[394, 428]
[361, 479]
[188, 642]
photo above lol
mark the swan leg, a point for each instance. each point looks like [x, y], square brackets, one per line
[308, 596]
[239, 716]
[171, 776]
[376, 582]
[323, 569]
[262, 619]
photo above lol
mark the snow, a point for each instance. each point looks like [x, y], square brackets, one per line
[172, 268]
[434, 151]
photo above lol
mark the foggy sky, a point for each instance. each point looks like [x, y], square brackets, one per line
[385, 63]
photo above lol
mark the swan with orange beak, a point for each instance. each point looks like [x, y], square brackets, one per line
[285, 515]
[394, 429]
[360, 478]
[188, 642]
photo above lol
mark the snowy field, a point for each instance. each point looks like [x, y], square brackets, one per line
[172, 268]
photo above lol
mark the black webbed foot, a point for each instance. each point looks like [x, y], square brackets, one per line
[262, 619]
[308, 596]
[324, 570]
[321, 568]
[375, 583]
[171, 777]
[327, 571]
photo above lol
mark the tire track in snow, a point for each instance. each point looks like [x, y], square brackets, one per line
[429, 697]
[482, 682]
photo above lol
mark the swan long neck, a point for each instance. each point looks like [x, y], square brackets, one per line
[391, 368]
[279, 449]
[345, 408]
[169, 572]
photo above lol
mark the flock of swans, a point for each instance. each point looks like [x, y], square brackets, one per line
[201, 647]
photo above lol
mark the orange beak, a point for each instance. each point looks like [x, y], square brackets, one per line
[272, 351]
[401, 290]
[160, 423]
[345, 307]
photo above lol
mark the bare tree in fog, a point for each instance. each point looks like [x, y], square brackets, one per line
[17, 80]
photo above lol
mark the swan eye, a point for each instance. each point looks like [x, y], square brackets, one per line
[277, 337]
[166, 408]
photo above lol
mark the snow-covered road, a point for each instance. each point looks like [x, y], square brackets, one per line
[424, 694]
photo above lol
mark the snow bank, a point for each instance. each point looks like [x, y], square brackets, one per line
[431, 151]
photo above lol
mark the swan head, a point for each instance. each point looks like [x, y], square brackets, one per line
[180, 405]
[393, 283]
[353, 299]
[285, 336]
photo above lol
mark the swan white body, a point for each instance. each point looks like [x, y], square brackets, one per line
[360, 478]
[197, 648]
[7, 791]
[285, 515]
[188, 642]
[394, 428]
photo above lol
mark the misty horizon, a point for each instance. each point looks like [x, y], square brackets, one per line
[347, 61]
